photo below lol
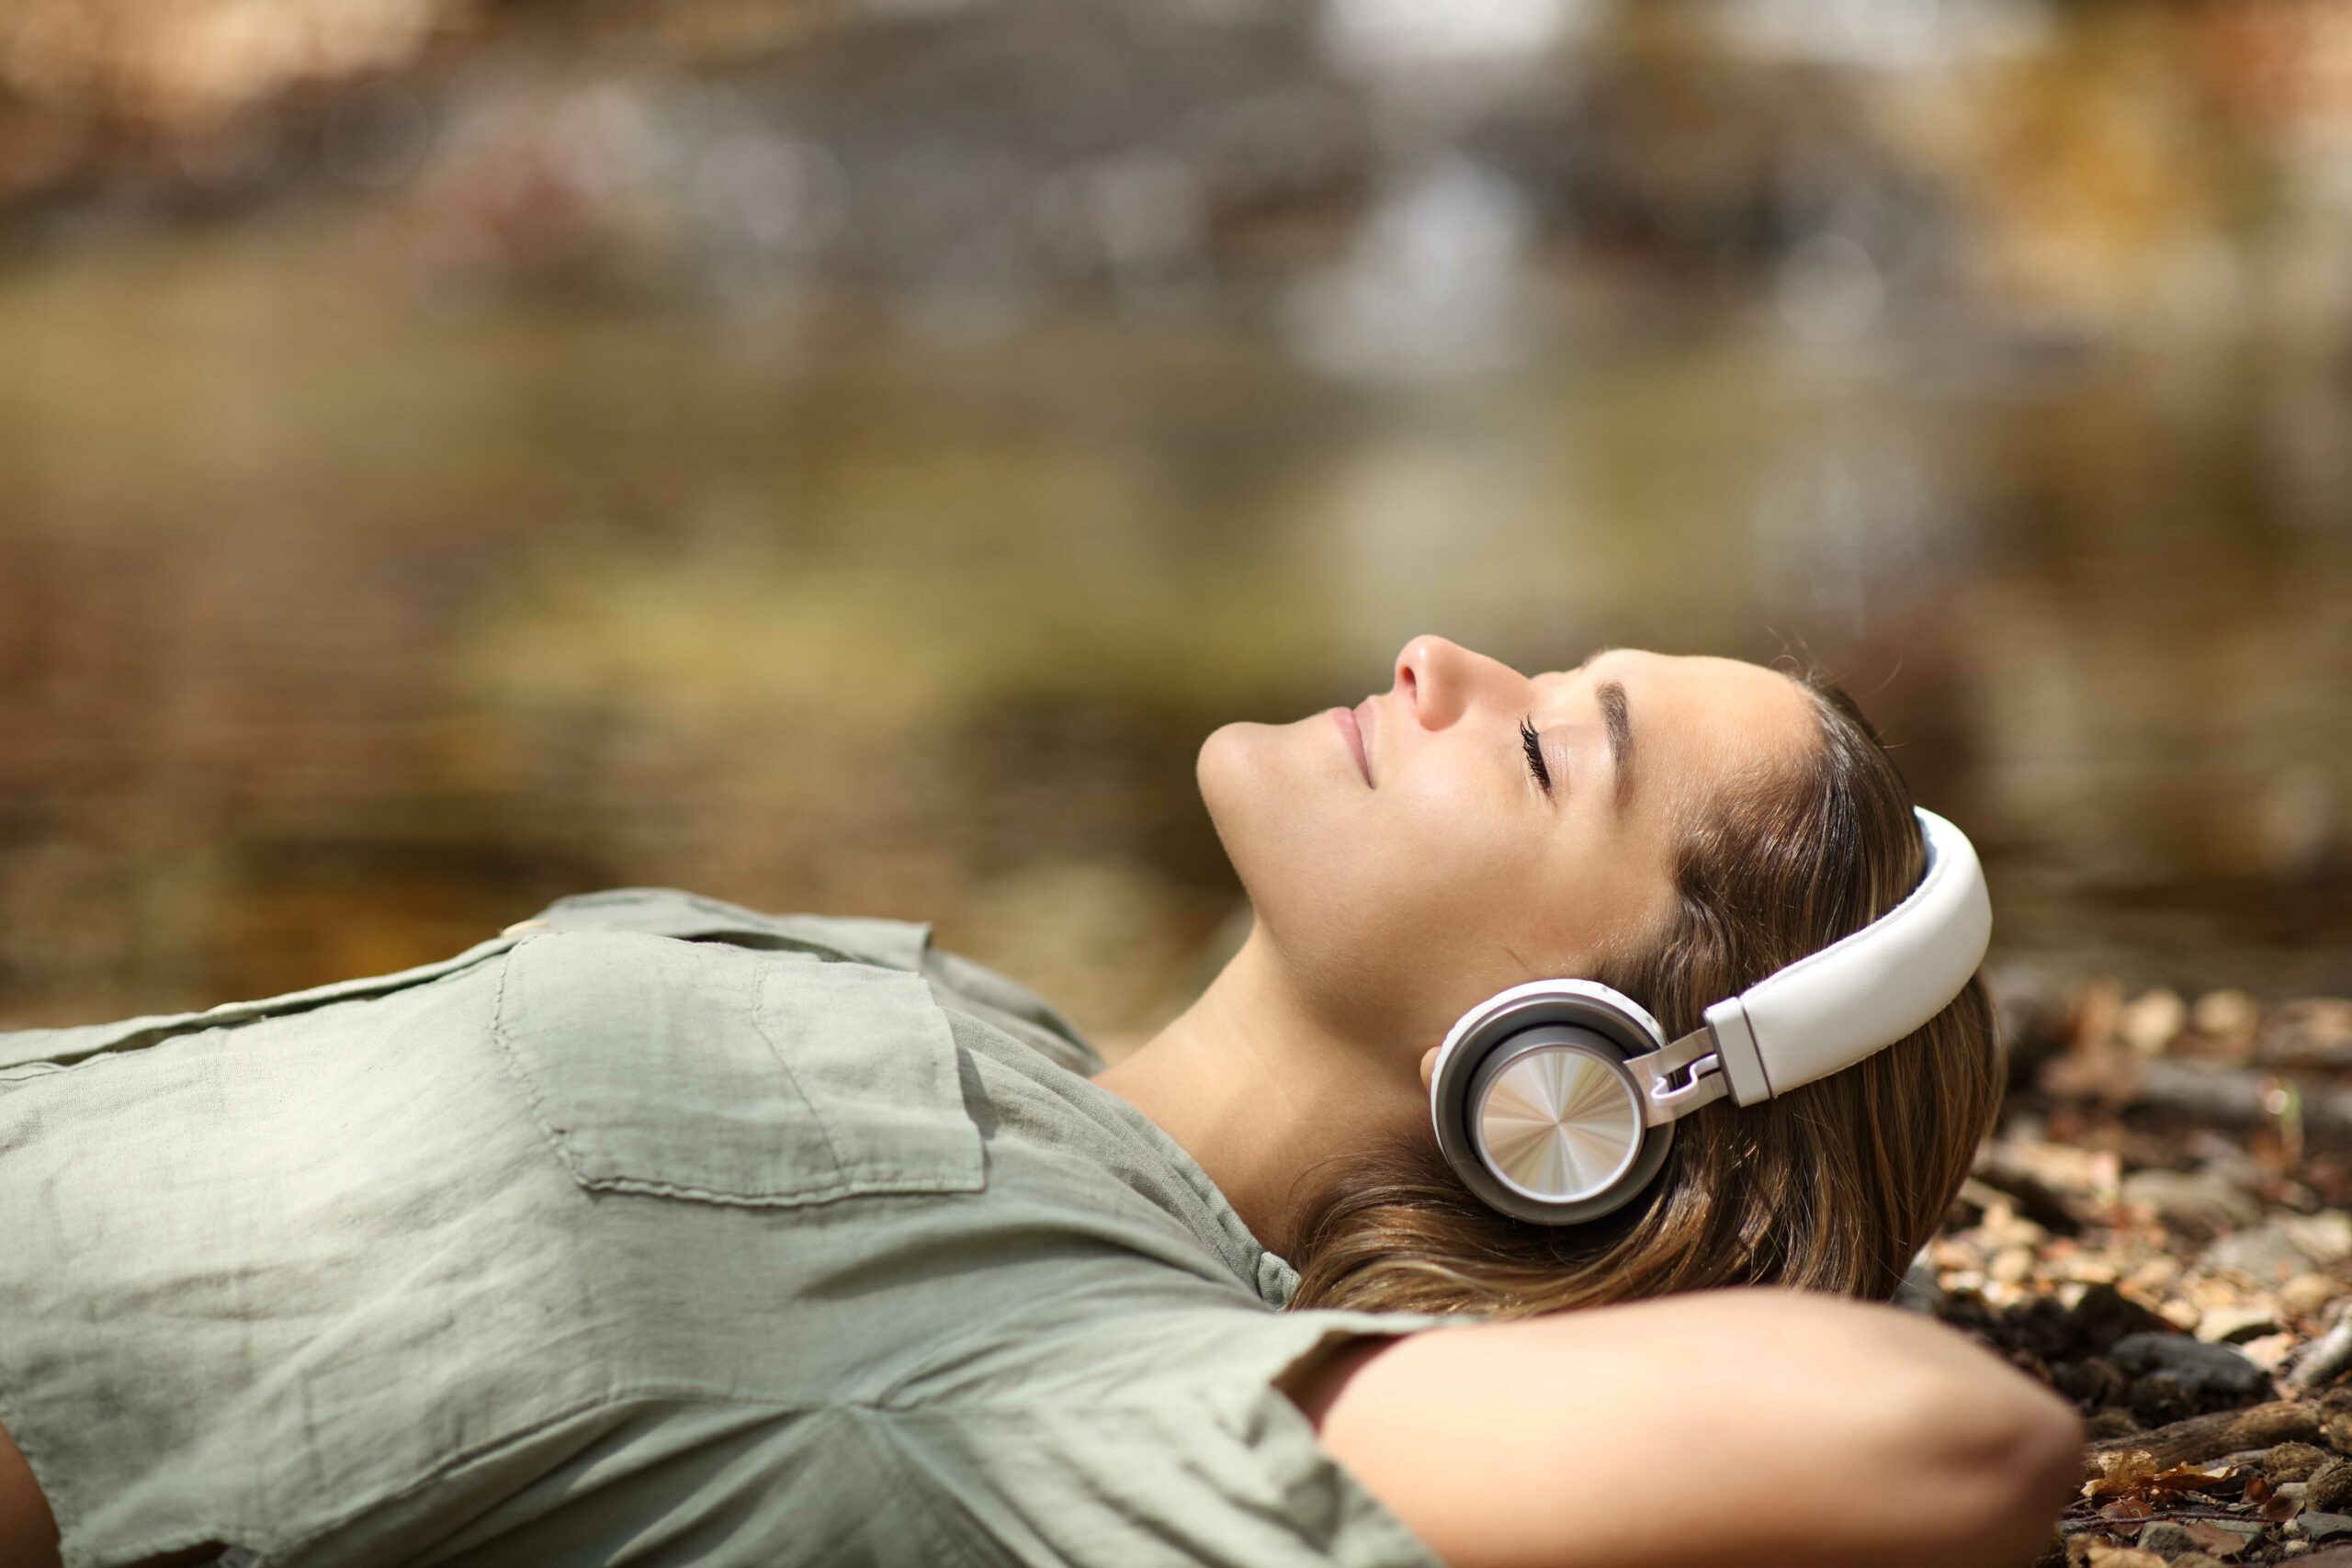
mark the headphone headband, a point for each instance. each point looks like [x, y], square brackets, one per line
[1866, 990]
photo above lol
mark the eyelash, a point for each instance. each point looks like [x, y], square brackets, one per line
[1534, 754]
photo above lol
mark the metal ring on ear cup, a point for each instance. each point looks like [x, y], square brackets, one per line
[1534, 1108]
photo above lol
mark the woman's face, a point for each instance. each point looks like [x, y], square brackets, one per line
[1403, 883]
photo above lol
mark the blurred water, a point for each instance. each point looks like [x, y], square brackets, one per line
[859, 477]
[335, 632]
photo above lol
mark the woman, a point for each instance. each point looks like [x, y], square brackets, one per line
[657, 1230]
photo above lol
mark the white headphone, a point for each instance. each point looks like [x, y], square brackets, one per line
[1556, 1100]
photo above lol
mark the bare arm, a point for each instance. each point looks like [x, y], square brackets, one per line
[28, 1535]
[1759, 1427]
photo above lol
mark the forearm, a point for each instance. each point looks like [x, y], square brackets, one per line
[1756, 1426]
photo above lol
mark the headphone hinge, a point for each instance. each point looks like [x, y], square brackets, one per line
[1667, 1094]
[1743, 1056]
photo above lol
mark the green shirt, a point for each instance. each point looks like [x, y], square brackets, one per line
[653, 1231]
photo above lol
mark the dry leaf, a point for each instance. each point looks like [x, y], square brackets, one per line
[2192, 1478]
[2213, 1538]
[2125, 1474]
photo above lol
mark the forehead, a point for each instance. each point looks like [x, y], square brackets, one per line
[1697, 718]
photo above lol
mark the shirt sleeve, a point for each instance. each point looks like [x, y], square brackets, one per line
[1171, 1447]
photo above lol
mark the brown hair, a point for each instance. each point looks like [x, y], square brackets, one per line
[1832, 1186]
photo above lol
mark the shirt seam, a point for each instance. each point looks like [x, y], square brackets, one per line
[911, 1485]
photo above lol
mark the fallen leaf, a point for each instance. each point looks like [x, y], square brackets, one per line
[2213, 1538]
[2126, 1472]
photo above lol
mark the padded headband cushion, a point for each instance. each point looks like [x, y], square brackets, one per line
[1868, 989]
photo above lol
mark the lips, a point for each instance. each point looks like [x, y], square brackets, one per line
[1351, 729]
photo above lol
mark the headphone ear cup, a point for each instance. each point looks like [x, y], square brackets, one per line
[1535, 1110]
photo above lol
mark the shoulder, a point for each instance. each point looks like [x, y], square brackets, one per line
[956, 982]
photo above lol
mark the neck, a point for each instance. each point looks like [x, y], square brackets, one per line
[1260, 1091]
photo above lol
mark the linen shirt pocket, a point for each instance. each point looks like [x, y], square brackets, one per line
[711, 1072]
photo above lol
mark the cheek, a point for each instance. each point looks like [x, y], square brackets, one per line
[1432, 875]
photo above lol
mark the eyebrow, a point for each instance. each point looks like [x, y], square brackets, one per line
[1619, 721]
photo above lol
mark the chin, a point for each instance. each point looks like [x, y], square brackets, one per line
[1226, 771]
[1270, 806]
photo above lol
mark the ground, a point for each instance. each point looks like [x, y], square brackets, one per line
[2161, 1229]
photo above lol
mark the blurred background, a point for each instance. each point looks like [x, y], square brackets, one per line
[847, 454]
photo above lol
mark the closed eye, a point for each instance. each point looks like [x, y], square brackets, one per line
[1536, 765]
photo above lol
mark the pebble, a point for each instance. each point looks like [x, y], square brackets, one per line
[2166, 1540]
[2222, 1324]
[2203, 1197]
[2227, 1018]
[2011, 1265]
[2270, 1253]
[2306, 1294]
[2269, 1351]
[2326, 1236]
[2324, 1526]
[2202, 1369]
[2183, 1315]
[2148, 1024]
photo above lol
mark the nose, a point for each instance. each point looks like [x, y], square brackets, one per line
[1440, 680]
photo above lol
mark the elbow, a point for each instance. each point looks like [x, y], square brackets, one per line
[2040, 1468]
[2008, 1456]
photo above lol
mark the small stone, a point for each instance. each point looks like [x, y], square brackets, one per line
[2226, 1018]
[2306, 1294]
[2012, 1265]
[2269, 1351]
[2325, 1237]
[2214, 1292]
[2104, 1314]
[2226, 1325]
[2149, 1022]
[2166, 1540]
[2202, 1197]
[2295, 1461]
[2270, 1253]
[2329, 1489]
[2312, 1030]
[2322, 1526]
[2201, 1369]
[2005, 1226]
